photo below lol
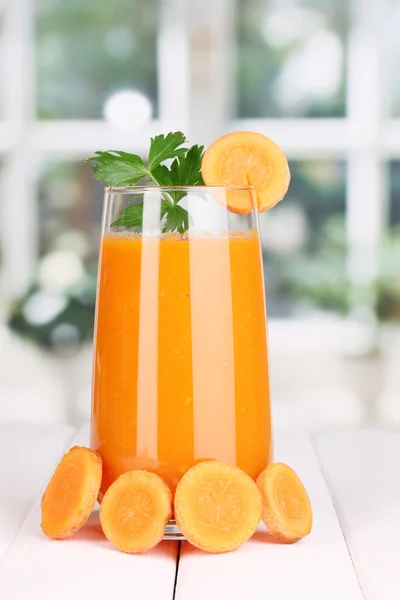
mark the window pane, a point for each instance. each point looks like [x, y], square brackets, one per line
[394, 209]
[59, 310]
[290, 58]
[389, 280]
[70, 209]
[392, 26]
[1, 258]
[88, 50]
[304, 242]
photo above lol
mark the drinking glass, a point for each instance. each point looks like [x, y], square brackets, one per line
[180, 370]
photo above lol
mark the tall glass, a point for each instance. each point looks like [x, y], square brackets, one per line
[180, 361]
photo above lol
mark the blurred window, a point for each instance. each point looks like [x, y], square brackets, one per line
[394, 206]
[304, 243]
[291, 58]
[122, 60]
[1, 241]
[86, 50]
[70, 209]
[392, 39]
[388, 281]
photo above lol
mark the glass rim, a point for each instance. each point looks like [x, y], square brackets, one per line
[129, 189]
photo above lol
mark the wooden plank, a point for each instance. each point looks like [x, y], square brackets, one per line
[317, 567]
[28, 452]
[87, 566]
[362, 469]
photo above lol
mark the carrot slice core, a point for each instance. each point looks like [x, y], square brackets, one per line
[135, 510]
[217, 506]
[287, 511]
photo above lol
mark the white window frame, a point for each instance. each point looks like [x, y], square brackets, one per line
[195, 37]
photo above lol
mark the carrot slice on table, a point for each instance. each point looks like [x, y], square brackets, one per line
[287, 511]
[135, 510]
[247, 158]
[71, 493]
[217, 506]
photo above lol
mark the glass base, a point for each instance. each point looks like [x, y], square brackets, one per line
[172, 532]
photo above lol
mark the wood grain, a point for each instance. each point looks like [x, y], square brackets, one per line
[318, 567]
[362, 469]
[85, 567]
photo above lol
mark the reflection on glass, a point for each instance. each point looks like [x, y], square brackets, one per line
[304, 242]
[87, 51]
[180, 367]
[290, 58]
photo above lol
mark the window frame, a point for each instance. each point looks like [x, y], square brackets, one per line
[195, 96]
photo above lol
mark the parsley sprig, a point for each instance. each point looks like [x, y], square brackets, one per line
[115, 168]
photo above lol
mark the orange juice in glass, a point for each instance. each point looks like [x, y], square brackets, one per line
[180, 360]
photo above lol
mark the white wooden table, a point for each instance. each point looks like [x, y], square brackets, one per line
[353, 552]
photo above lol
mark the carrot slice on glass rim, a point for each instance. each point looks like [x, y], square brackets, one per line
[287, 511]
[247, 158]
[71, 493]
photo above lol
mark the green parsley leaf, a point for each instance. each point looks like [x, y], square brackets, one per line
[162, 175]
[163, 147]
[118, 168]
[176, 219]
[188, 168]
[130, 217]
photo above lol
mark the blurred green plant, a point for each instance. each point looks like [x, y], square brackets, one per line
[388, 284]
[64, 328]
[320, 278]
[86, 51]
[274, 36]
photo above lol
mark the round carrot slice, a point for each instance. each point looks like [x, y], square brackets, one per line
[71, 493]
[217, 506]
[247, 158]
[287, 511]
[135, 510]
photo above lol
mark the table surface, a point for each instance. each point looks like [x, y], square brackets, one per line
[353, 478]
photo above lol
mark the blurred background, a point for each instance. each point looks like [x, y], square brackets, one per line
[318, 76]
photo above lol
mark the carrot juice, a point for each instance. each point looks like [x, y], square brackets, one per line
[180, 362]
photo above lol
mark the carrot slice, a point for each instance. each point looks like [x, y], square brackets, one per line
[247, 158]
[287, 511]
[217, 506]
[135, 510]
[71, 493]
